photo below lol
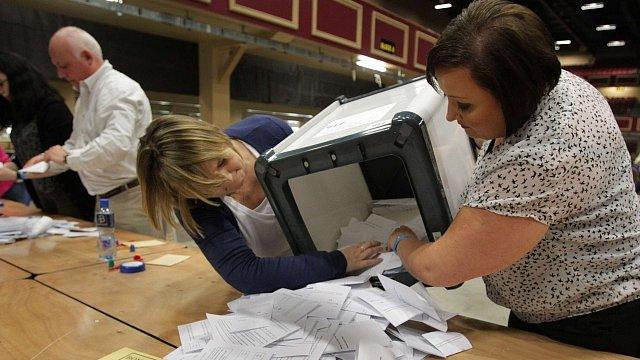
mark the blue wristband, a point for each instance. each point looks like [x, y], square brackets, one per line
[397, 240]
[21, 174]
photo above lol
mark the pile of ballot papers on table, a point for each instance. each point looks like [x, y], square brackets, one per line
[13, 228]
[325, 321]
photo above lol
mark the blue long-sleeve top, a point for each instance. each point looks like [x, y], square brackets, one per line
[224, 246]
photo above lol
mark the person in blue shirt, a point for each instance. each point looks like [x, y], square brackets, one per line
[206, 176]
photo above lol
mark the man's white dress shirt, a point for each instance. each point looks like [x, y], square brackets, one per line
[111, 115]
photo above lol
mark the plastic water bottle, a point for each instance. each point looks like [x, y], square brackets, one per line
[105, 222]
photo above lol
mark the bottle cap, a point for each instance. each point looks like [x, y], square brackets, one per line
[104, 203]
[132, 267]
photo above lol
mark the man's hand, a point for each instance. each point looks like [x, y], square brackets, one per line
[7, 174]
[56, 153]
[34, 160]
[362, 255]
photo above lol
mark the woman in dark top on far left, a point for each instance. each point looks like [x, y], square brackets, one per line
[40, 119]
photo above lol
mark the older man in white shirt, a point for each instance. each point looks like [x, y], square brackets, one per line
[111, 114]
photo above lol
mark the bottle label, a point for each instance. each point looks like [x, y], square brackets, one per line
[105, 220]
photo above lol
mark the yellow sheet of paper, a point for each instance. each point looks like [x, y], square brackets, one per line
[144, 243]
[129, 354]
[168, 260]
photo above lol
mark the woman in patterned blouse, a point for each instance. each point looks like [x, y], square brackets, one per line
[550, 217]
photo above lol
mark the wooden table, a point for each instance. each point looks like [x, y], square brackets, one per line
[38, 322]
[161, 298]
[12, 208]
[54, 253]
[156, 300]
[10, 272]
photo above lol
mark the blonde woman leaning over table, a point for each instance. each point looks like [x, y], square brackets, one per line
[550, 217]
[207, 176]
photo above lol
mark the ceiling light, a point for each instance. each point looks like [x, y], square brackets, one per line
[616, 43]
[606, 27]
[557, 47]
[443, 6]
[592, 6]
[371, 63]
[563, 42]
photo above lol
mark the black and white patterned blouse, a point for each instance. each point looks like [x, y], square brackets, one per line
[569, 168]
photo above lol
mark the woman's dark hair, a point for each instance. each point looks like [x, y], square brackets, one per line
[27, 87]
[508, 51]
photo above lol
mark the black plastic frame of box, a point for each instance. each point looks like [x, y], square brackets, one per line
[406, 137]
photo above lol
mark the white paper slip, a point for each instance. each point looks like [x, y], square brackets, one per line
[177, 354]
[86, 229]
[370, 350]
[321, 340]
[168, 260]
[228, 352]
[221, 334]
[194, 336]
[244, 323]
[37, 168]
[348, 336]
[144, 243]
[348, 280]
[413, 338]
[292, 309]
[357, 305]
[434, 323]
[409, 296]
[74, 234]
[257, 305]
[448, 343]
[283, 350]
[401, 349]
[330, 297]
[58, 231]
[390, 306]
[389, 261]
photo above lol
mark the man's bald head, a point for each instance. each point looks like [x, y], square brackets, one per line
[75, 54]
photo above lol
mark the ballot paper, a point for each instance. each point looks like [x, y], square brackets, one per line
[222, 335]
[292, 309]
[178, 354]
[370, 350]
[37, 168]
[329, 296]
[348, 336]
[168, 260]
[194, 336]
[448, 343]
[436, 343]
[320, 322]
[357, 305]
[144, 243]
[20, 227]
[390, 260]
[389, 305]
[409, 296]
[74, 234]
[258, 305]
[229, 352]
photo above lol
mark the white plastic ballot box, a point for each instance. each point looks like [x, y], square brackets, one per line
[394, 143]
